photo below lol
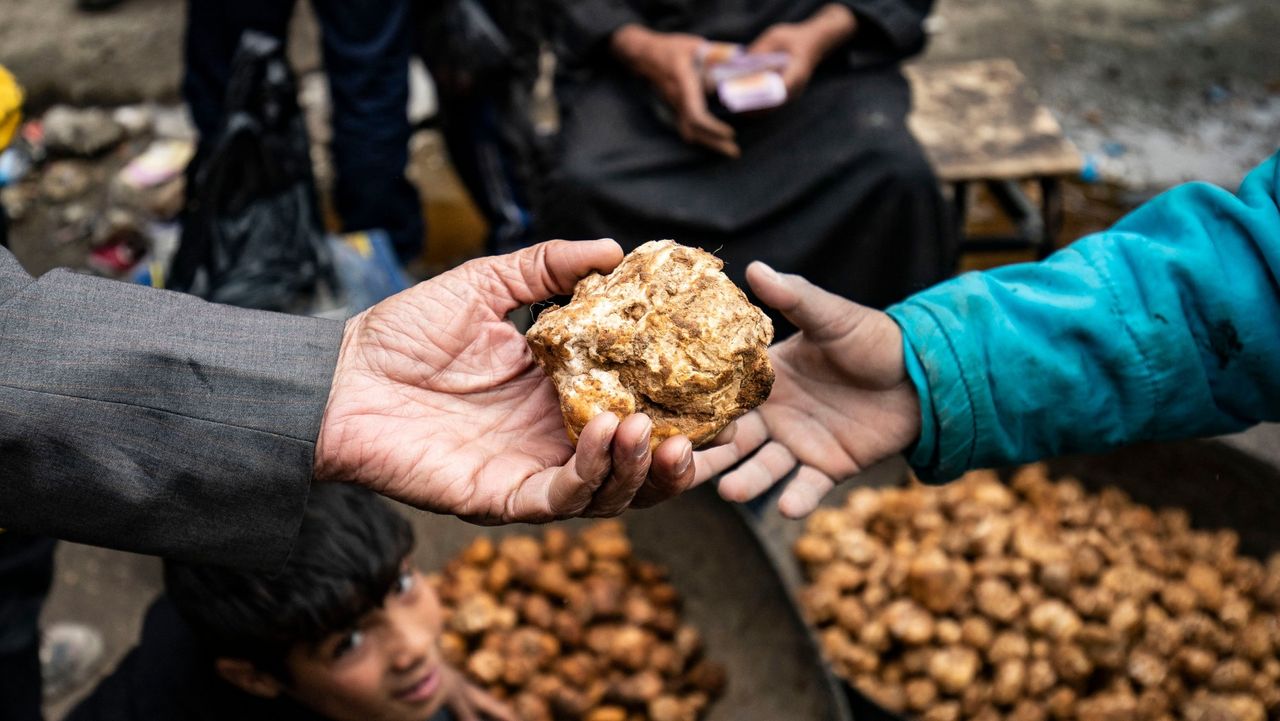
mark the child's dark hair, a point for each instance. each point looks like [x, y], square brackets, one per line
[347, 557]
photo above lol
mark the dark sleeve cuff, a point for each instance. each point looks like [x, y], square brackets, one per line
[592, 22]
[888, 29]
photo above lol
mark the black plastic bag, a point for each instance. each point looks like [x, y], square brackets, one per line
[252, 235]
[463, 45]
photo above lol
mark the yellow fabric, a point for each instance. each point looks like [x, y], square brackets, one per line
[10, 107]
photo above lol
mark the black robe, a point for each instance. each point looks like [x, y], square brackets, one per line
[168, 677]
[831, 185]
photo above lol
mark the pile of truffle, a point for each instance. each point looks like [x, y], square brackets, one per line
[574, 628]
[1037, 600]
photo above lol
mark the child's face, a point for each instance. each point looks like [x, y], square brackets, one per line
[388, 668]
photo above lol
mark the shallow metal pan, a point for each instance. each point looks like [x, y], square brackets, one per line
[731, 593]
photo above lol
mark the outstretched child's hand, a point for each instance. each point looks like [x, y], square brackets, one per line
[469, 702]
[841, 401]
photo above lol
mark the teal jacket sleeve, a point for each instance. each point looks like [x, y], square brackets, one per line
[1165, 326]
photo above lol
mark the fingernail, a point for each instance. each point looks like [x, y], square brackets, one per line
[608, 438]
[643, 446]
[685, 460]
[769, 273]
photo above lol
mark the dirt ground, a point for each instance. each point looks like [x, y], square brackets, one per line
[1180, 89]
[1189, 88]
[124, 55]
[1159, 91]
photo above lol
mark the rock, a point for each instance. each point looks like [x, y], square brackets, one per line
[17, 200]
[136, 120]
[75, 225]
[83, 132]
[173, 121]
[64, 180]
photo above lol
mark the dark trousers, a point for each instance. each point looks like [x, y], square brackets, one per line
[478, 135]
[26, 573]
[366, 56]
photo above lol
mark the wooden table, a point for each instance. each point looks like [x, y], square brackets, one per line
[979, 122]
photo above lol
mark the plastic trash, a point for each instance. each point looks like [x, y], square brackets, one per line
[10, 106]
[366, 268]
[121, 249]
[1090, 173]
[153, 270]
[161, 162]
[463, 45]
[15, 163]
[32, 136]
[1106, 168]
[252, 235]
[1114, 149]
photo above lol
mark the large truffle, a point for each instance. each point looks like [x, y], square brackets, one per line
[666, 334]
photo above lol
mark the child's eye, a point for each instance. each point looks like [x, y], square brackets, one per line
[405, 583]
[348, 643]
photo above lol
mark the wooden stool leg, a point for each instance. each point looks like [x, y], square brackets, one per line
[959, 217]
[1019, 208]
[1051, 209]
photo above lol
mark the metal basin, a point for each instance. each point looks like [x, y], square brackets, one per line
[1224, 483]
[731, 594]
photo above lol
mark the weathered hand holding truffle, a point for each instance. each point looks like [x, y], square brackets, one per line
[665, 334]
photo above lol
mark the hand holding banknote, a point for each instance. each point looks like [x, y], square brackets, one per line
[807, 43]
[669, 61]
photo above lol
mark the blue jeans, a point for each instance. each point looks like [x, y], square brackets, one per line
[366, 46]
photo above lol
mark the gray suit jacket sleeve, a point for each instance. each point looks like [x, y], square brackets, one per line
[155, 422]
